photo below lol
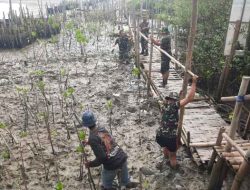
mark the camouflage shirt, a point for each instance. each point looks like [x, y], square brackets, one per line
[144, 28]
[123, 43]
[169, 121]
[165, 45]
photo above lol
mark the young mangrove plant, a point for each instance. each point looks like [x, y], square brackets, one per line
[81, 148]
[69, 27]
[110, 108]
[82, 40]
[136, 73]
[7, 129]
[46, 114]
[23, 97]
[67, 94]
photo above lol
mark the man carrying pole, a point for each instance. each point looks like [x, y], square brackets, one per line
[166, 134]
[144, 29]
[165, 44]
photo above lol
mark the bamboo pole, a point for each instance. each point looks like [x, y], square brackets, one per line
[232, 143]
[188, 60]
[218, 142]
[243, 170]
[172, 58]
[231, 154]
[150, 60]
[234, 98]
[237, 110]
[137, 43]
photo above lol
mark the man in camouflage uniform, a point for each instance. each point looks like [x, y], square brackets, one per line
[144, 28]
[108, 154]
[165, 44]
[124, 47]
[166, 134]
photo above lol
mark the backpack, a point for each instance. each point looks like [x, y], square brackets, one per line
[110, 145]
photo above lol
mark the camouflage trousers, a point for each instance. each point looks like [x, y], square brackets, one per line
[124, 56]
[144, 45]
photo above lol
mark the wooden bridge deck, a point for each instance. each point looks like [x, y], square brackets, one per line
[201, 122]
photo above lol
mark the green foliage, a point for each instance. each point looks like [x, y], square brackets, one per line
[81, 106]
[3, 125]
[22, 90]
[80, 149]
[69, 25]
[5, 154]
[54, 39]
[34, 34]
[82, 135]
[38, 73]
[41, 86]
[109, 104]
[69, 92]
[230, 116]
[145, 184]
[62, 72]
[134, 4]
[42, 115]
[54, 133]
[59, 185]
[80, 37]
[136, 72]
[23, 134]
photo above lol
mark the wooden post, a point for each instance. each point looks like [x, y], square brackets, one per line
[237, 110]
[244, 169]
[218, 142]
[150, 60]
[247, 127]
[188, 60]
[176, 44]
[229, 59]
[137, 42]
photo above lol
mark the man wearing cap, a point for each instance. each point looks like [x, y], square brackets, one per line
[107, 153]
[165, 44]
[166, 134]
[144, 28]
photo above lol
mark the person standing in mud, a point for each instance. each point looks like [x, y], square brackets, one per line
[108, 154]
[144, 28]
[166, 134]
[124, 47]
[165, 44]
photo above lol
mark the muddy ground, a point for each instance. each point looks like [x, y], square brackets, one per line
[97, 78]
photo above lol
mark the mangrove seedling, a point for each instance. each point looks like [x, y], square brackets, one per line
[136, 72]
[81, 39]
[81, 137]
[59, 185]
[110, 107]
[23, 96]
[41, 87]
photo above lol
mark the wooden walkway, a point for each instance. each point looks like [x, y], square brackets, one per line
[201, 121]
